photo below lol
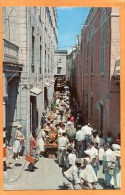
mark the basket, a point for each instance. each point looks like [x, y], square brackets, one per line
[30, 159]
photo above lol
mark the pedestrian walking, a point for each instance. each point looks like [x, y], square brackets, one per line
[93, 154]
[79, 143]
[33, 150]
[43, 119]
[108, 165]
[101, 148]
[19, 138]
[71, 157]
[41, 140]
[87, 130]
[87, 175]
[117, 170]
[62, 147]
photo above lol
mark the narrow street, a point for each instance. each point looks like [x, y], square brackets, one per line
[61, 98]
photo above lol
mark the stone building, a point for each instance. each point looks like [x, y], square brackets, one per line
[29, 44]
[60, 69]
[71, 70]
[98, 70]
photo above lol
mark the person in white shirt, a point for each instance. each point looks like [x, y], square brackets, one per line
[117, 170]
[62, 147]
[93, 154]
[71, 156]
[108, 165]
[79, 142]
[61, 129]
[96, 139]
[87, 175]
[71, 176]
[116, 145]
[87, 129]
[101, 149]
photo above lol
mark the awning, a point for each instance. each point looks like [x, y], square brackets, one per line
[47, 84]
[59, 65]
[52, 81]
[35, 91]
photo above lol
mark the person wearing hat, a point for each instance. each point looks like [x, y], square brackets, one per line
[19, 137]
[62, 143]
[116, 146]
[71, 157]
[108, 165]
[71, 176]
[87, 175]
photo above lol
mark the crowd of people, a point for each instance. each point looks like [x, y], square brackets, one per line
[81, 150]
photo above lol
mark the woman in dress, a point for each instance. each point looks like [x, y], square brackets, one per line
[19, 138]
[41, 140]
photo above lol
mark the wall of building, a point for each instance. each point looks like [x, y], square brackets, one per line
[97, 93]
[19, 25]
[60, 62]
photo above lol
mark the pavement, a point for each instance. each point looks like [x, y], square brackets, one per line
[47, 176]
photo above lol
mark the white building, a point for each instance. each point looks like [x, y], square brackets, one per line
[60, 67]
[30, 41]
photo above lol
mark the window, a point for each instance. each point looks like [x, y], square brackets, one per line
[92, 54]
[45, 60]
[58, 70]
[91, 105]
[40, 59]
[101, 117]
[48, 62]
[33, 49]
[92, 48]
[88, 56]
[102, 47]
[102, 57]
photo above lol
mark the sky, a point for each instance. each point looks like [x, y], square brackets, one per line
[70, 21]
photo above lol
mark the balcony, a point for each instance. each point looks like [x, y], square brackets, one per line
[10, 52]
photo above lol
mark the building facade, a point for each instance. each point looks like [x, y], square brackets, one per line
[60, 69]
[98, 89]
[30, 41]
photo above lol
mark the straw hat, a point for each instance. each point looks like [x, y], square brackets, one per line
[19, 126]
[78, 161]
[117, 153]
[87, 152]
